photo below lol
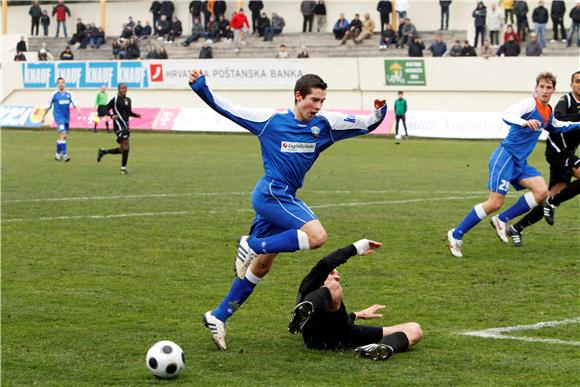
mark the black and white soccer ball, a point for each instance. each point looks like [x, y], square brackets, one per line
[165, 359]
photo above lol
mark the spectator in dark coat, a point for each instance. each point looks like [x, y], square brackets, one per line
[540, 19]
[155, 10]
[263, 23]
[509, 48]
[467, 49]
[219, 8]
[320, 13]
[456, 49]
[479, 16]
[138, 29]
[79, 35]
[206, 51]
[176, 29]
[521, 10]
[67, 54]
[133, 51]
[557, 13]
[167, 8]
[385, 8]
[533, 48]
[195, 9]
[354, 29]
[163, 27]
[416, 47]
[45, 21]
[146, 30]
[35, 13]
[97, 37]
[438, 48]
[197, 31]
[21, 45]
[444, 4]
[307, 10]
[575, 16]
[256, 9]
[224, 28]
[388, 37]
[213, 29]
[340, 27]
[19, 57]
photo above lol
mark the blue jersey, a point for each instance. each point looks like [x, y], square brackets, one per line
[290, 146]
[60, 103]
[520, 141]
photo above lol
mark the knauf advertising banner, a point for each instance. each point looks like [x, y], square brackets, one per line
[85, 75]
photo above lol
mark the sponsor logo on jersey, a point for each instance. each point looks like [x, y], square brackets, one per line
[297, 147]
[156, 72]
[315, 131]
[350, 119]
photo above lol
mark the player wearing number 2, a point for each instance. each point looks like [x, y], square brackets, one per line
[509, 163]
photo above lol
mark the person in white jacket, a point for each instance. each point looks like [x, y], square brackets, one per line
[494, 21]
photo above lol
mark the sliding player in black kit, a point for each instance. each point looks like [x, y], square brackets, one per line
[322, 319]
[561, 155]
[120, 106]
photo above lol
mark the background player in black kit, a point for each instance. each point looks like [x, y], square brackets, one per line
[561, 155]
[321, 316]
[120, 106]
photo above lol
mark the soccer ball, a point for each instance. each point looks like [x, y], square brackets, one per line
[165, 359]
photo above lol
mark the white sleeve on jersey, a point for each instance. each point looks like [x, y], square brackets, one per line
[341, 121]
[50, 101]
[73, 99]
[513, 116]
[562, 126]
[248, 114]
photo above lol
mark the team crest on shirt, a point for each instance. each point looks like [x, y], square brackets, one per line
[315, 131]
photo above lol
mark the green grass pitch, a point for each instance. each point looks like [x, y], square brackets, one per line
[90, 282]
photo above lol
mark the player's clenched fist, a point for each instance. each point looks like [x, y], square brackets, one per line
[379, 103]
[194, 74]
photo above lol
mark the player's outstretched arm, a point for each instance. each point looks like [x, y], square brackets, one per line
[254, 120]
[346, 126]
[370, 312]
[558, 126]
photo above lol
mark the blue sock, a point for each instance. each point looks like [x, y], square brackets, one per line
[238, 294]
[471, 220]
[63, 147]
[58, 147]
[523, 205]
[284, 242]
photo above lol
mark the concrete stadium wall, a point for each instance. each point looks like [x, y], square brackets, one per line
[453, 84]
[424, 13]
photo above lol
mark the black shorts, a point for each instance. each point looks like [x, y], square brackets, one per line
[122, 135]
[561, 172]
[102, 111]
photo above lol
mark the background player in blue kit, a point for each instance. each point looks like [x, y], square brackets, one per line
[60, 101]
[509, 163]
[291, 141]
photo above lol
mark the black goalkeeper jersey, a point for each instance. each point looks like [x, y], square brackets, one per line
[560, 146]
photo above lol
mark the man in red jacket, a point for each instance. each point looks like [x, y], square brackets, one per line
[240, 26]
[61, 10]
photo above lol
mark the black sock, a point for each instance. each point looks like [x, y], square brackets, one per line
[533, 216]
[398, 341]
[114, 151]
[124, 158]
[107, 124]
[567, 193]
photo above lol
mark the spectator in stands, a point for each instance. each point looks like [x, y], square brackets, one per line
[388, 37]
[67, 54]
[97, 37]
[155, 10]
[438, 48]
[167, 8]
[534, 47]
[368, 28]
[163, 27]
[176, 30]
[147, 31]
[278, 25]
[307, 10]
[127, 32]
[138, 29]
[86, 36]
[456, 49]
[161, 52]
[118, 49]
[354, 29]
[219, 8]
[402, 8]
[384, 8]
[340, 27]
[240, 26]
[19, 57]
[575, 16]
[509, 32]
[256, 9]
[152, 53]
[132, 50]
[508, 6]
[494, 24]
[225, 30]
[444, 4]
[206, 51]
[213, 29]
[282, 52]
[207, 12]
[416, 47]
[509, 48]
[479, 16]
[521, 10]
[130, 22]
[263, 23]
[21, 45]
[60, 11]
[303, 53]
[540, 19]
[487, 49]
[43, 54]
[80, 32]
[197, 31]
[320, 14]
[195, 9]
[35, 13]
[408, 31]
[557, 13]
[467, 49]
[45, 21]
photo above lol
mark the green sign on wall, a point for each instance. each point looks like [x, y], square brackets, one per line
[405, 72]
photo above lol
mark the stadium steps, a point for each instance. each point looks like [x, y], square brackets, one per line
[319, 45]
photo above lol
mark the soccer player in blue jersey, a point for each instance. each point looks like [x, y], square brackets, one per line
[291, 141]
[509, 163]
[60, 101]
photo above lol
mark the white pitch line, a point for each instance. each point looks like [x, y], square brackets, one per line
[185, 194]
[498, 333]
[181, 213]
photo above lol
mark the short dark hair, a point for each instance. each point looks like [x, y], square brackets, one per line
[59, 78]
[573, 75]
[546, 76]
[306, 83]
[121, 85]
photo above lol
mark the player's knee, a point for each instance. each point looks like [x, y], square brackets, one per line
[416, 331]
[541, 195]
[317, 239]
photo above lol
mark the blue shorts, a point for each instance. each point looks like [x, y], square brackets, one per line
[504, 170]
[277, 209]
[62, 127]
